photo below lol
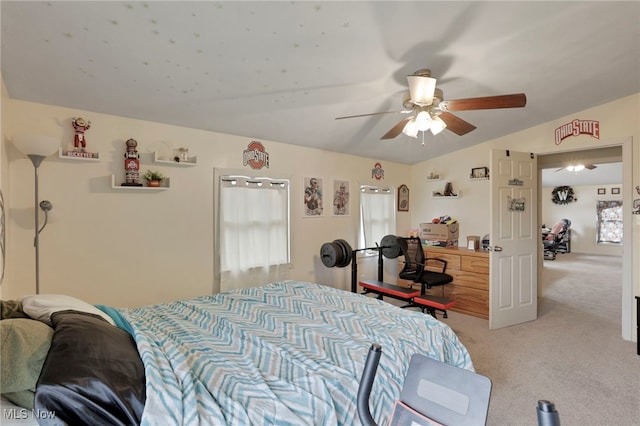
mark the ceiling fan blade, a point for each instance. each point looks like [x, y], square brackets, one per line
[517, 100]
[560, 169]
[373, 113]
[397, 129]
[456, 124]
[590, 166]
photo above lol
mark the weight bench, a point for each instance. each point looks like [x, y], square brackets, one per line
[415, 299]
[384, 289]
[432, 304]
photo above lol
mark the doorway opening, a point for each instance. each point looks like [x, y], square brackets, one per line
[572, 279]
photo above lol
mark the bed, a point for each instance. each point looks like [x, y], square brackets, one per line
[287, 353]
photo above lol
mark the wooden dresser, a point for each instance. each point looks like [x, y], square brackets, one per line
[470, 272]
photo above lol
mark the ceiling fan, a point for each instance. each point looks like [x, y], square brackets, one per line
[576, 167]
[429, 111]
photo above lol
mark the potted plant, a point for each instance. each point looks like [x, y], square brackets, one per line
[153, 178]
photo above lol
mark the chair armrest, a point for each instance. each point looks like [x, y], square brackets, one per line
[419, 266]
[437, 259]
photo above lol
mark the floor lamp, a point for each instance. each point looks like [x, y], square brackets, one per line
[37, 148]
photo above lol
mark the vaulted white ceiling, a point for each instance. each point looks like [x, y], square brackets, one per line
[282, 71]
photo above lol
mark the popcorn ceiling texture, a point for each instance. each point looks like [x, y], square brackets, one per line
[282, 70]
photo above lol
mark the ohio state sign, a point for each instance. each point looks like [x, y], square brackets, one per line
[255, 156]
[577, 127]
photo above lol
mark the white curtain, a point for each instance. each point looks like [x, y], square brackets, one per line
[377, 214]
[254, 231]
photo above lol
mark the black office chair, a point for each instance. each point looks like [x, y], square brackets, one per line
[414, 266]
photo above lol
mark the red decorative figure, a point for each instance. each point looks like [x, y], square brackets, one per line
[131, 164]
[80, 126]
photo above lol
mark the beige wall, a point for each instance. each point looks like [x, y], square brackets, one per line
[126, 248]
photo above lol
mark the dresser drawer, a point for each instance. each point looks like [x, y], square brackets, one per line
[468, 300]
[474, 264]
[453, 260]
[470, 279]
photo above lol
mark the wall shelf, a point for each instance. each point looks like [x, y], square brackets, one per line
[62, 154]
[166, 184]
[434, 179]
[479, 178]
[434, 195]
[191, 161]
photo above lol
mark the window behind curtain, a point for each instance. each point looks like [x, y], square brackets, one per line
[609, 226]
[377, 214]
[254, 230]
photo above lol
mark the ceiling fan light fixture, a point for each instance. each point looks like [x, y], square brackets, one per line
[422, 89]
[437, 125]
[411, 128]
[575, 168]
[423, 121]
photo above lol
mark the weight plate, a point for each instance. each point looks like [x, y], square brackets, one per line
[328, 255]
[347, 252]
[390, 246]
[341, 257]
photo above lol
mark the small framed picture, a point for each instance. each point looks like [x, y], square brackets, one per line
[403, 198]
[479, 173]
[602, 191]
[313, 203]
[341, 194]
[615, 191]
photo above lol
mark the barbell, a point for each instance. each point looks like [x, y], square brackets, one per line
[339, 253]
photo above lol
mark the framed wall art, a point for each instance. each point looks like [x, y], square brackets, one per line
[403, 198]
[341, 197]
[313, 202]
[602, 191]
[480, 173]
[615, 191]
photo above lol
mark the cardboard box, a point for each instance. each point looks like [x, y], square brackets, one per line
[440, 231]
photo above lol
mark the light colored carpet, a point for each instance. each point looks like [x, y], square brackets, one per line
[572, 355]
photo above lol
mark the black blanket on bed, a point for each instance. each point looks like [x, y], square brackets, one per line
[93, 374]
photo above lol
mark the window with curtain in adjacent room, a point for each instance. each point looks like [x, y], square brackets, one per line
[609, 225]
[377, 214]
[254, 231]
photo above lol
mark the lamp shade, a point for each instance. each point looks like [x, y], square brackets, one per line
[423, 121]
[31, 144]
[411, 128]
[437, 125]
[422, 89]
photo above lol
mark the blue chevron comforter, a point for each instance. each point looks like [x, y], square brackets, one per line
[287, 353]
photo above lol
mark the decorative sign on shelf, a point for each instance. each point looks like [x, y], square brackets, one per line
[563, 195]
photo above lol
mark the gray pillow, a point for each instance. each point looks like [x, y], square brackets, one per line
[24, 347]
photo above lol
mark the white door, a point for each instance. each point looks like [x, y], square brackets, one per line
[514, 239]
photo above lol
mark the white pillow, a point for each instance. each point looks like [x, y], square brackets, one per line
[41, 306]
